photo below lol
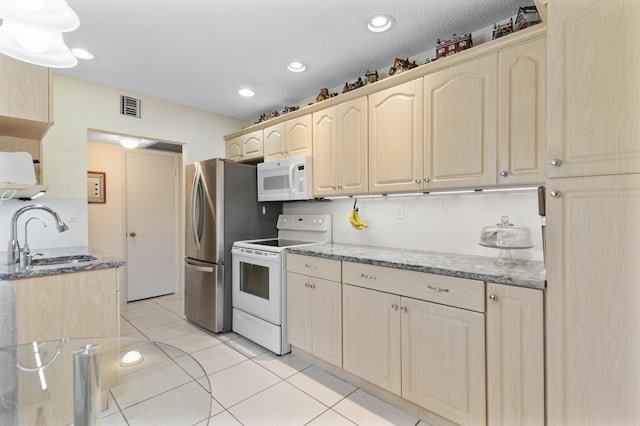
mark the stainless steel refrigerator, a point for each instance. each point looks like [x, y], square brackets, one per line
[221, 207]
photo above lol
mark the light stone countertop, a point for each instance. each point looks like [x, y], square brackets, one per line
[525, 273]
[102, 261]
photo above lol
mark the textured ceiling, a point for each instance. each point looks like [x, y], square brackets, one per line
[198, 53]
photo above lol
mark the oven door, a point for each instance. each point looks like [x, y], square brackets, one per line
[257, 283]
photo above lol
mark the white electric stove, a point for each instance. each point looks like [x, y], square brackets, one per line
[259, 279]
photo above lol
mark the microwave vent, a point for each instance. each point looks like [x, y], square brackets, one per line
[130, 107]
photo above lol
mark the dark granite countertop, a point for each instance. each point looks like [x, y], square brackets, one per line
[525, 273]
[102, 261]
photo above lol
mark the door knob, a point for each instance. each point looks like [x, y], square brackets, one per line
[132, 234]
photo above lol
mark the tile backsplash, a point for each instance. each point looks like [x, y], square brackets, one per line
[434, 222]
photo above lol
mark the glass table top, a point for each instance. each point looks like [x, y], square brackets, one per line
[37, 385]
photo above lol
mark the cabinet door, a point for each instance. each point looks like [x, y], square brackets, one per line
[461, 106]
[515, 356]
[299, 329]
[352, 147]
[25, 101]
[298, 136]
[325, 154]
[233, 149]
[593, 300]
[396, 140]
[594, 87]
[327, 320]
[371, 336]
[522, 138]
[78, 304]
[252, 146]
[274, 147]
[443, 360]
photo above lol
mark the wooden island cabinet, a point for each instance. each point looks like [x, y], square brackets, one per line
[67, 305]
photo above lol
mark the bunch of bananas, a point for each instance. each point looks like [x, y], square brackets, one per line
[355, 221]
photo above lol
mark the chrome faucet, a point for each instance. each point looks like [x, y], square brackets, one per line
[14, 245]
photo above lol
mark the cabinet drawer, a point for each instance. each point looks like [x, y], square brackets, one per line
[459, 292]
[327, 269]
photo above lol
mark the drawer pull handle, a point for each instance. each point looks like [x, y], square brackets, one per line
[369, 277]
[443, 290]
[306, 265]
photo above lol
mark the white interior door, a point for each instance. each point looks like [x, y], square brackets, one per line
[152, 223]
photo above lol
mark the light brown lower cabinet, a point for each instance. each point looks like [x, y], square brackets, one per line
[78, 304]
[314, 307]
[429, 354]
[515, 356]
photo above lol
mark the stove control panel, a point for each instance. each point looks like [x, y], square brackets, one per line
[305, 222]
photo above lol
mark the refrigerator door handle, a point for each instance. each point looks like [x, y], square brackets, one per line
[198, 268]
[197, 222]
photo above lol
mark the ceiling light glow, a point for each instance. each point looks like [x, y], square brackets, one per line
[129, 143]
[380, 23]
[247, 93]
[81, 53]
[296, 66]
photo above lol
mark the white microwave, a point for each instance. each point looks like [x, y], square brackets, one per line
[285, 180]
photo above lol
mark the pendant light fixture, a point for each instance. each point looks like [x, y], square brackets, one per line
[31, 31]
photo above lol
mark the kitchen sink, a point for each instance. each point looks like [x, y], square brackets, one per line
[60, 260]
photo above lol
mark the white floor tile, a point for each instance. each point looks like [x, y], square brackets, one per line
[239, 382]
[321, 385]
[246, 347]
[192, 342]
[184, 405]
[283, 365]
[218, 358]
[126, 327]
[142, 310]
[365, 409]
[222, 419]
[169, 330]
[330, 418]
[281, 405]
[154, 320]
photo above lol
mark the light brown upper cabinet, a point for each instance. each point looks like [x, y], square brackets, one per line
[594, 92]
[246, 147]
[340, 149]
[522, 118]
[25, 100]
[292, 138]
[461, 107]
[396, 140]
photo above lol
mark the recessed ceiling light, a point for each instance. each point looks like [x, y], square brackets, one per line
[380, 23]
[247, 93]
[81, 53]
[296, 66]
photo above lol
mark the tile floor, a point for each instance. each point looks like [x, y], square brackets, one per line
[252, 386]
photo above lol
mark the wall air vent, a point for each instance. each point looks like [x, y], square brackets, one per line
[131, 107]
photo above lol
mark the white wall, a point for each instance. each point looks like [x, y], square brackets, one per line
[78, 106]
[447, 223]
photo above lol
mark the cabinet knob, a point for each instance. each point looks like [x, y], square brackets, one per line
[306, 285]
[394, 307]
[403, 308]
[132, 234]
[417, 180]
[555, 193]
[339, 186]
[426, 180]
[555, 162]
[493, 297]
[504, 173]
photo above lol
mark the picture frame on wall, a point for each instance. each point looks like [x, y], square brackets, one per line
[96, 187]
